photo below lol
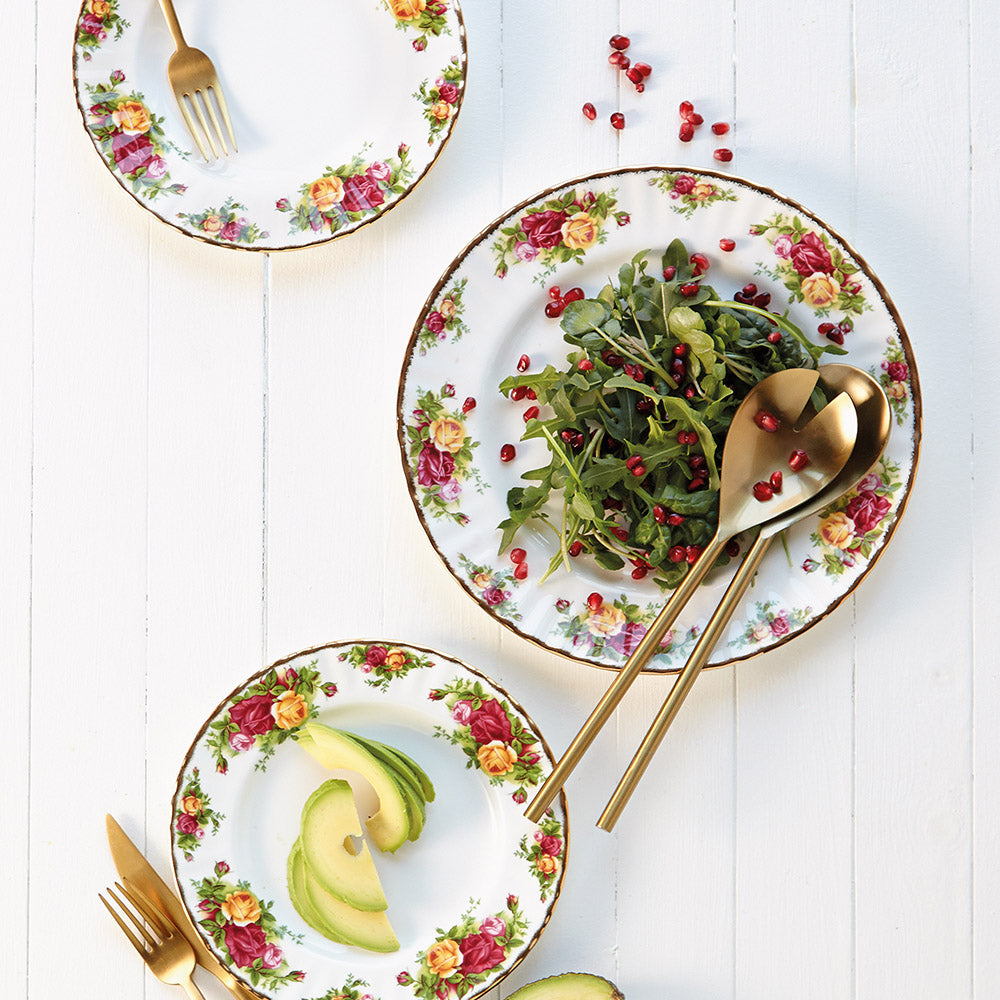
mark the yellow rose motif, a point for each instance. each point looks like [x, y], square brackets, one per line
[289, 710]
[99, 8]
[761, 631]
[212, 224]
[482, 580]
[496, 758]
[326, 192]
[447, 434]
[241, 908]
[820, 290]
[580, 231]
[395, 659]
[547, 864]
[191, 804]
[702, 190]
[132, 118]
[407, 10]
[896, 390]
[447, 308]
[444, 958]
[607, 620]
[837, 530]
[442, 110]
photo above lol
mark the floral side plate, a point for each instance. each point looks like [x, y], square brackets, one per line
[467, 899]
[329, 138]
[487, 311]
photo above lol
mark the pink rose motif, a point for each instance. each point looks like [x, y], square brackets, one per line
[434, 468]
[404, 979]
[272, 957]
[551, 845]
[525, 251]
[230, 231]
[187, 824]
[361, 193]
[783, 246]
[419, 44]
[221, 868]
[779, 626]
[867, 510]
[283, 205]
[897, 371]
[493, 926]
[871, 482]
[208, 906]
[511, 902]
[494, 596]
[376, 656]
[520, 796]
[684, 184]
[810, 255]
[434, 322]
[448, 92]
[100, 111]
[489, 722]
[544, 229]
[241, 742]
[245, 944]
[131, 152]
[92, 25]
[380, 171]
[117, 76]
[156, 167]
[461, 712]
[627, 639]
[253, 714]
[623, 218]
[480, 952]
[450, 491]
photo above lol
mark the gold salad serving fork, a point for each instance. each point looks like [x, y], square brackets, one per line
[197, 89]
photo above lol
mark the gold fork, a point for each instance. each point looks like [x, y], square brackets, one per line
[161, 944]
[195, 82]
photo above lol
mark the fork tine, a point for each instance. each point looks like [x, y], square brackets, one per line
[192, 126]
[154, 916]
[199, 112]
[220, 97]
[136, 943]
[207, 98]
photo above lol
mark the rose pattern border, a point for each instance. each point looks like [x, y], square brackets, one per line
[894, 378]
[491, 585]
[350, 990]
[384, 663]
[771, 620]
[491, 735]
[193, 816]
[349, 193]
[811, 266]
[265, 714]
[131, 137]
[243, 928]
[445, 318]
[441, 453]
[98, 19]
[440, 100]
[558, 230]
[428, 17]
[690, 193]
[468, 953]
[225, 223]
[544, 853]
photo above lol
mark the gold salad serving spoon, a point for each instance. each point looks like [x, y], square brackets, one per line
[768, 435]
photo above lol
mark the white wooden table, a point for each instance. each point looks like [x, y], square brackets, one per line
[199, 474]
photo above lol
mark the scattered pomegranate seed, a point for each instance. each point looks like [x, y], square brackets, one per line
[639, 572]
[701, 263]
[620, 533]
[696, 484]
[633, 74]
[776, 481]
[723, 155]
[518, 393]
[530, 413]
[686, 132]
[521, 571]
[469, 404]
[697, 461]
[531, 394]
[612, 504]
[576, 548]
[695, 119]
[595, 602]
[555, 292]
[732, 548]
[615, 58]
[554, 309]
[680, 350]
[644, 405]
[644, 68]
[632, 461]
[585, 365]
[720, 128]
[836, 336]
[668, 272]
[523, 363]
[611, 359]
[589, 111]
[749, 290]
[638, 470]
[517, 556]
[727, 244]
[567, 435]
[690, 437]
[675, 519]
[676, 554]
[686, 109]
[620, 42]
[690, 289]
[692, 553]
[573, 295]
[762, 491]
[766, 421]
[507, 453]
[798, 460]
[763, 300]
[774, 336]
[659, 514]
[623, 62]
[640, 88]
[618, 120]
[677, 366]
[689, 392]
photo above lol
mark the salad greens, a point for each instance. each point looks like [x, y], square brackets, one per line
[637, 429]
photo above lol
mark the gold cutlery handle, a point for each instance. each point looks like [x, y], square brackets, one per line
[648, 646]
[682, 686]
[167, 6]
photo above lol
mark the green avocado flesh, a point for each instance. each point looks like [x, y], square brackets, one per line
[569, 986]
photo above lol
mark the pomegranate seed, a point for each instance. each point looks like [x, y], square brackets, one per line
[589, 111]
[749, 290]
[595, 602]
[763, 300]
[675, 519]
[531, 394]
[695, 119]
[686, 131]
[521, 571]
[776, 481]
[676, 554]
[618, 120]
[697, 461]
[762, 491]
[689, 392]
[576, 548]
[585, 365]
[720, 128]
[701, 263]
[619, 42]
[723, 155]
[732, 548]
[659, 514]
[573, 295]
[634, 372]
[774, 336]
[624, 62]
[615, 58]
[836, 336]
[517, 556]
[696, 484]
[644, 405]
[766, 421]
[825, 328]
[518, 393]
[639, 572]
[567, 435]
[690, 289]
[644, 68]
[530, 413]
[469, 404]
[680, 350]
[798, 460]
[555, 292]
[632, 461]
[638, 470]
[668, 272]
[507, 453]
[523, 363]
[677, 366]
[554, 308]
[612, 504]
[640, 88]
[633, 74]
[692, 553]
[727, 244]
[620, 533]
[686, 110]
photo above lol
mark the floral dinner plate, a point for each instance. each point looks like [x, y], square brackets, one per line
[337, 116]
[467, 899]
[457, 433]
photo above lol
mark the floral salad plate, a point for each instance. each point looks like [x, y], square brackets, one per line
[336, 118]
[467, 899]
[488, 310]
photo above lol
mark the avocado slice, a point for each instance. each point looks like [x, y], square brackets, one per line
[404, 765]
[569, 986]
[390, 826]
[300, 898]
[328, 818]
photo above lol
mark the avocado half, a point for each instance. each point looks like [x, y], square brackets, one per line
[569, 986]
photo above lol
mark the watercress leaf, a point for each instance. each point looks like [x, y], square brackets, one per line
[608, 560]
[584, 315]
[582, 507]
[626, 278]
[676, 255]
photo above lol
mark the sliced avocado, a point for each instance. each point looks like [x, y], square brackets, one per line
[417, 810]
[300, 897]
[328, 818]
[569, 986]
[405, 765]
[390, 826]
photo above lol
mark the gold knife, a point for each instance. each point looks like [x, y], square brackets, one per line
[131, 864]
